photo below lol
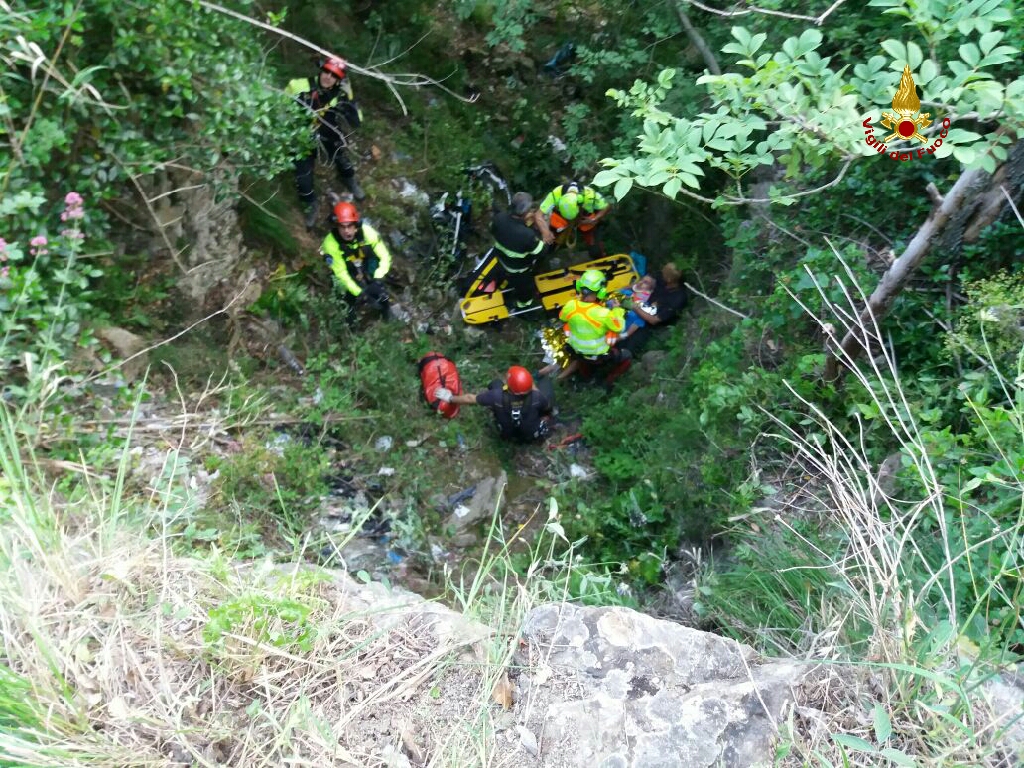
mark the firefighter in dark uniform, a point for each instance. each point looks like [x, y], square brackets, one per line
[518, 243]
[329, 97]
[522, 412]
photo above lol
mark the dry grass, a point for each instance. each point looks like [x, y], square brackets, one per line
[117, 651]
[113, 642]
[914, 681]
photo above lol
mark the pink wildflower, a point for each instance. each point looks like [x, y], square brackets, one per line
[4, 271]
[38, 244]
[72, 207]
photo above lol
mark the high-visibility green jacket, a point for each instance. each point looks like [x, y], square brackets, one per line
[358, 261]
[588, 323]
[569, 202]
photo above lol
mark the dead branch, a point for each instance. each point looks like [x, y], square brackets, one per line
[1013, 206]
[897, 276]
[817, 20]
[391, 81]
[697, 39]
[718, 304]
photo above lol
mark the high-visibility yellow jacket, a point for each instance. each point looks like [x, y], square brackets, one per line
[588, 323]
[569, 200]
[356, 262]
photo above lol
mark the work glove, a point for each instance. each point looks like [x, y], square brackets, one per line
[442, 394]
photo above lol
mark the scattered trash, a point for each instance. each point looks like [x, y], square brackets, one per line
[437, 552]
[318, 396]
[460, 441]
[278, 442]
[410, 191]
[460, 511]
[413, 443]
[399, 313]
[557, 65]
[386, 471]
[575, 470]
[335, 525]
[384, 443]
[290, 360]
[560, 148]
[466, 493]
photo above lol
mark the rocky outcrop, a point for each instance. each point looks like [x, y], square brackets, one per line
[647, 692]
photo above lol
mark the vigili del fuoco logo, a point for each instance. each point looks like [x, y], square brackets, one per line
[906, 124]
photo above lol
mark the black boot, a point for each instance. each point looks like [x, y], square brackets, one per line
[353, 186]
[311, 213]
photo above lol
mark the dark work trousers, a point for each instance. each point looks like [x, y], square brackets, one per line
[337, 155]
[635, 342]
[593, 241]
[615, 362]
[374, 295]
[520, 291]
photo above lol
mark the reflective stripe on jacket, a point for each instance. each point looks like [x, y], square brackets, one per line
[352, 262]
[517, 262]
[588, 323]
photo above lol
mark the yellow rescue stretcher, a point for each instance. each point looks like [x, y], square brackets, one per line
[485, 300]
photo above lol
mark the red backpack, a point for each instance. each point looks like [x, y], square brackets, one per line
[438, 371]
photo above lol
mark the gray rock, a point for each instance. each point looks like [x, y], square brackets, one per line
[464, 540]
[1004, 693]
[488, 496]
[654, 693]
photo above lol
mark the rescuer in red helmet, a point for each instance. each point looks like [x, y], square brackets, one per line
[358, 258]
[521, 411]
[329, 100]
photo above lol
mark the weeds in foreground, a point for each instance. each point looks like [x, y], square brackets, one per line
[906, 585]
[118, 650]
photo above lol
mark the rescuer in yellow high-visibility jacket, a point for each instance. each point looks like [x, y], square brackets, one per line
[592, 329]
[358, 258]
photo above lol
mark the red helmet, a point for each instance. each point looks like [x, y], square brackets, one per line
[519, 380]
[335, 66]
[346, 213]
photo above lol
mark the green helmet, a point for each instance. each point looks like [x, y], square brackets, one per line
[592, 280]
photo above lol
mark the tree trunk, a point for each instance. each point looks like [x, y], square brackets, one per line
[897, 276]
[697, 39]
